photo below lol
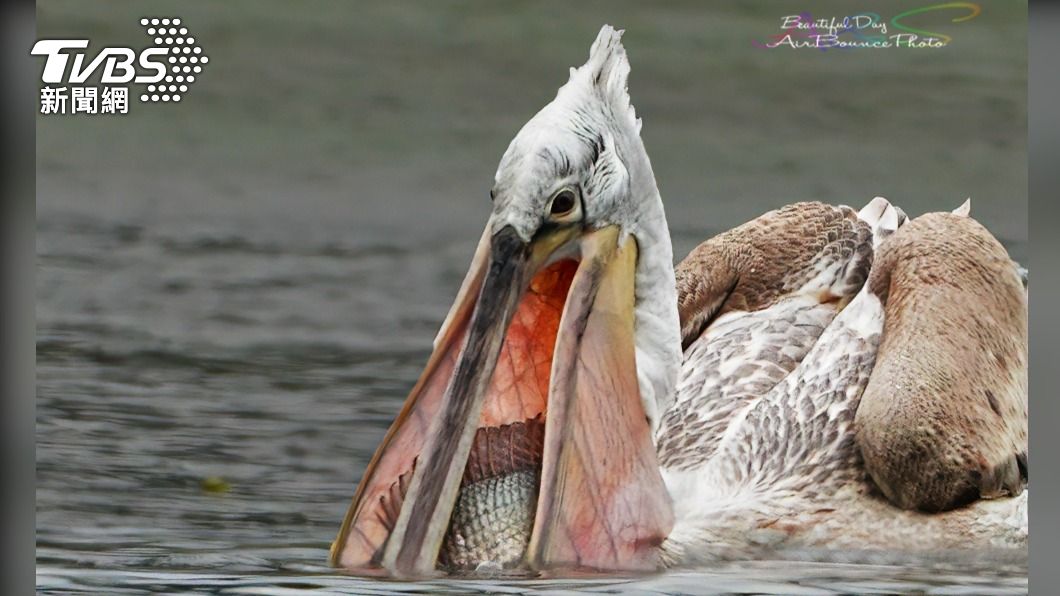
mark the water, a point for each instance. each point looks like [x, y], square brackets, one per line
[235, 294]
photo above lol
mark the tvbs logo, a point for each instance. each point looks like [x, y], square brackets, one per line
[167, 69]
[118, 63]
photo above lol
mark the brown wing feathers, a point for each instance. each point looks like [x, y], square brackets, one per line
[751, 266]
[943, 420]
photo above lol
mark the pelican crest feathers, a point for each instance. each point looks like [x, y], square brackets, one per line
[607, 72]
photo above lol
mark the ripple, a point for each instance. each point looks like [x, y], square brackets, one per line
[776, 577]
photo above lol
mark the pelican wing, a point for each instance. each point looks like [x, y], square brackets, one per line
[802, 248]
[943, 420]
[753, 301]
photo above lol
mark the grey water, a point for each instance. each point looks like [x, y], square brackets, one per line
[236, 293]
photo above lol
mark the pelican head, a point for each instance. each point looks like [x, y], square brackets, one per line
[584, 150]
[558, 355]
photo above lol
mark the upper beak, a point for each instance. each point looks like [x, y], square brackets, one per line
[527, 338]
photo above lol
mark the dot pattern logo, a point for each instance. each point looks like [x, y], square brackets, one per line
[185, 61]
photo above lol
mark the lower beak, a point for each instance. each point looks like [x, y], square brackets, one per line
[529, 340]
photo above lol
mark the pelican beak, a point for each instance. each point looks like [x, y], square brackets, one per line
[532, 339]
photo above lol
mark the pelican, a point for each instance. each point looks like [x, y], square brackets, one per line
[820, 377]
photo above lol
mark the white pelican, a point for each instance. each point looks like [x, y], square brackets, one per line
[586, 408]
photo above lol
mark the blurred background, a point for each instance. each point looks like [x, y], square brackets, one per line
[235, 293]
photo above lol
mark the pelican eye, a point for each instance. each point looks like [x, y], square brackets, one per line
[563, 203]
